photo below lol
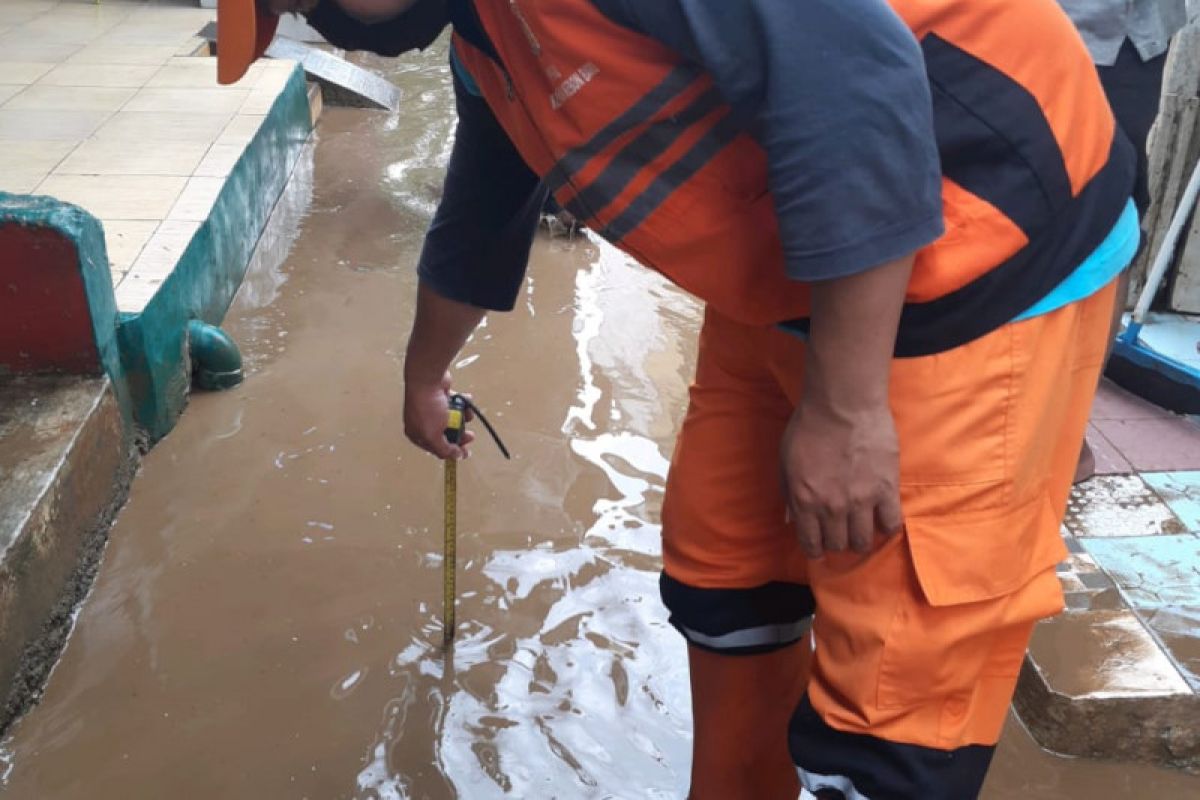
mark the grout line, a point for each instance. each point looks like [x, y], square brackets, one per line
[1099, 432]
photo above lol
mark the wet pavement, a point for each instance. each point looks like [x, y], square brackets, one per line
[267, 619]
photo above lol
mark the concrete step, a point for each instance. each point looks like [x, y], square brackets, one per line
[66, 460]
[1118, 674]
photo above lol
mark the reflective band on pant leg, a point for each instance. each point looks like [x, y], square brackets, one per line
[762, 636]
[739, 621]
[863, 766]
[813, 782]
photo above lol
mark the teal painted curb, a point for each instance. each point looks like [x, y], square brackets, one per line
[84, 232]
[153, 343]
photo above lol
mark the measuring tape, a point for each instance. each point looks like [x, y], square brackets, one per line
[456, 425]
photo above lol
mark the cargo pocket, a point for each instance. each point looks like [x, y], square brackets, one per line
[966, 566]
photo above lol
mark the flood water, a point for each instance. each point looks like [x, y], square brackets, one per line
[267, 621]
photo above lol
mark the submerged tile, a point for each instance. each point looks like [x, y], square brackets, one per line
[1153, 569]
[1085, 586]
[1140, 598]
[1181, 492]
[1107, 600]
[1118, 505]
[1178, 628]
[1103, 653]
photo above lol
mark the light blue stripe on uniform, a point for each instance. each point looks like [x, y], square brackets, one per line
[1097, 270]
[461, 71]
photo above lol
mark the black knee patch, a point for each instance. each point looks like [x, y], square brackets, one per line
[857, 766]
[739, 621]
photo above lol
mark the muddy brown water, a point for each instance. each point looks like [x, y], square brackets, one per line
[267, 621]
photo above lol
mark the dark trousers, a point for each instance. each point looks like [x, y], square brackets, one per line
[1134, 89]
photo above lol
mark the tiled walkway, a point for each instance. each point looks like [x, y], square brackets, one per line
[104, 105]
[1134, 533]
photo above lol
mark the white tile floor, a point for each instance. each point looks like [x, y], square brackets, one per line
[103, 105]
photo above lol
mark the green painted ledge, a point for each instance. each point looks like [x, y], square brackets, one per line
[84, 232]
[153, 343]
[145, 354]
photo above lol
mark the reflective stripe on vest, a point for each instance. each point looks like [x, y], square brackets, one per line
[640, 146]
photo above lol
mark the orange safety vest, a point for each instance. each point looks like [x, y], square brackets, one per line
[635, 142]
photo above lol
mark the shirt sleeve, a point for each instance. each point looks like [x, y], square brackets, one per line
[478, 246]
[835, 92]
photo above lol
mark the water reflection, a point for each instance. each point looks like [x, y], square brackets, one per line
[270, 599]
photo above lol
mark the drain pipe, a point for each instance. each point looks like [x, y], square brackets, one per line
[216, 360]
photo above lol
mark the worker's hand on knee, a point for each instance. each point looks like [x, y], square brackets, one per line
[426, 412]
[841, 477]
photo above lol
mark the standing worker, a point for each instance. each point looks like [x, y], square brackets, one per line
[1129, 41]
[906, 219]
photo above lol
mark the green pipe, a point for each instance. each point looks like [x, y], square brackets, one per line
[216, 360]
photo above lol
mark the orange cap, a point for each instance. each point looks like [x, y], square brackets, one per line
[243, 35]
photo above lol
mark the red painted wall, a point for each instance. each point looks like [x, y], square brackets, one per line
[45, 324]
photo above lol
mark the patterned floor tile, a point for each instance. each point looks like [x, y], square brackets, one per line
[1181, 491]
[1085, 586]
[1118, 505]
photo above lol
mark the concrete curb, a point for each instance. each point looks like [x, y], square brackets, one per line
[55, 550]
[203, 283]
[71, 439]
[1162, 729]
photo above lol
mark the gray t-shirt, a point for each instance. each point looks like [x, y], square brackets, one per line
[1106, 24]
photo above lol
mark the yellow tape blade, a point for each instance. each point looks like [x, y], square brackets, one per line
[450, 550]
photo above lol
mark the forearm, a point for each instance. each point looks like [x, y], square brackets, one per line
[440, 329]
[852, 338]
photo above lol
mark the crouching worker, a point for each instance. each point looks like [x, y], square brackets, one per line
[906, 219]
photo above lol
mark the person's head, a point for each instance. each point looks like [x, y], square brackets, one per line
[245, 27]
